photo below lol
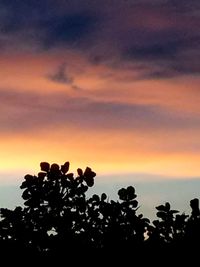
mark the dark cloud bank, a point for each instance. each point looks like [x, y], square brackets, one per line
[162, 35]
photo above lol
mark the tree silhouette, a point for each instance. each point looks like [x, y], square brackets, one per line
[58, 220]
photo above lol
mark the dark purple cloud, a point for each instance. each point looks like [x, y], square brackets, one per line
[163, 36]
[70, 29]
[60, 75]
[49, 25]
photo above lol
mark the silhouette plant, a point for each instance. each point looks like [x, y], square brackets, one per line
[55, 205]
[165, 226]
[55, 202]
[57, 218]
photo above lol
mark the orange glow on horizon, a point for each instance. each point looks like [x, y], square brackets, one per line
[103, 156]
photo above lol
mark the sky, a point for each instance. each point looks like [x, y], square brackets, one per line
[109, 84]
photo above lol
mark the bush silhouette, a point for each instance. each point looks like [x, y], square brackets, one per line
[57, 219]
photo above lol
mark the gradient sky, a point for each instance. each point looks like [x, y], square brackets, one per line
[110, 84]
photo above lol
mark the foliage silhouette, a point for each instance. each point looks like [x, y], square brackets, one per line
[57, 219]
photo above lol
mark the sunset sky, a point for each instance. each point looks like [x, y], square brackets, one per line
[109, 84]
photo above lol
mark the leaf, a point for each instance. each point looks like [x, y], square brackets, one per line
[130, 190]
[89, 181]
[65, 167]
[70, 176]
[26, 194]
[161, 208]
[24, 185]
[80, 172]
[28, 177]
[103, 197]
[96, 198]
[41, 175]
[161, 214]
[89, 173]
[167, 206]
[194, 203]
[174, 211]
[122, 194]
[45, 166]
[55, 167]
[134, 203]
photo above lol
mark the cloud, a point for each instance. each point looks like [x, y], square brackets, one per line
[44, 25]
[169, 57]
[154, 51]
[30, 111]
[60, 75]
[68, 29]
[163, 37]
